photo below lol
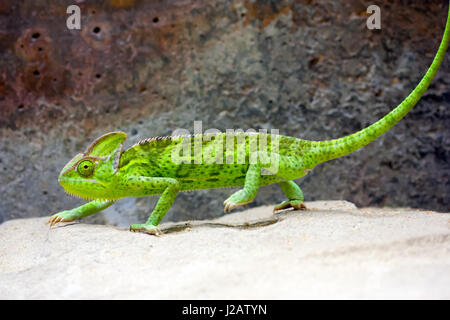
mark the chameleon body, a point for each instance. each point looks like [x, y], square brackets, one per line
[104, 172]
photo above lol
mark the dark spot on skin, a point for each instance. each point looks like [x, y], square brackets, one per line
[96, 30]
[36, 35]
[155, 20]
[40, 49]
[238, 180]
[98, 75]
[36, 73]
[133, 132]
[20, 107]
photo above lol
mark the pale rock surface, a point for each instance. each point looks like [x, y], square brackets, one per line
[333, 250]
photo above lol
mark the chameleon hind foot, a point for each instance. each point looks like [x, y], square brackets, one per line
[296, 204]
[146, 228]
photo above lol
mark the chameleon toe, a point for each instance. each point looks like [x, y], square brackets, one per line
[295, 204]
[146, 228]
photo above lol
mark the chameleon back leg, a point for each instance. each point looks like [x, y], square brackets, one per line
[246, 194]
[291, 167]
[294, 194]
[285, 170]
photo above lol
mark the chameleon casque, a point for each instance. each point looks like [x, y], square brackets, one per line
[104, 173]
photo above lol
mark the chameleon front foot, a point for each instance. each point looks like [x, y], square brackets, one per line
[63, 216]
[296, 204]
[146, 228]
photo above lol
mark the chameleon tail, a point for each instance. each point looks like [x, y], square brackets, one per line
[331, 149]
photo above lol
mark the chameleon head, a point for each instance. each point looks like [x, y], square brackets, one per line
[88, 174]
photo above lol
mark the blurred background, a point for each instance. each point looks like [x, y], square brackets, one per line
[311, 69]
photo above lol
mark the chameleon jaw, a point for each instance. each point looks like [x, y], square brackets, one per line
[72, 190]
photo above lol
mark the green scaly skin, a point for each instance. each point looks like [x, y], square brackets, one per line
[104, 173]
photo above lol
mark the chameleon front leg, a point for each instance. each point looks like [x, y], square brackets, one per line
[171, 188]
[80, 212]
[245, 195]
[294, 194]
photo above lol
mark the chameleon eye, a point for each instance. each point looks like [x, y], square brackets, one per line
[85, 168]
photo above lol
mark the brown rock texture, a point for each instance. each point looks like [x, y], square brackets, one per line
[310, 69]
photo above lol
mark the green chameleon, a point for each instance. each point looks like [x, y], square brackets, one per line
[104, 173]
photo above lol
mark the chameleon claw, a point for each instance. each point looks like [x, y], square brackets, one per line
[54, 220]
[51, 221]
[60, 217]
[228, 205]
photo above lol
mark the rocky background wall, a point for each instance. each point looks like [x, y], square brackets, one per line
[308, 68]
